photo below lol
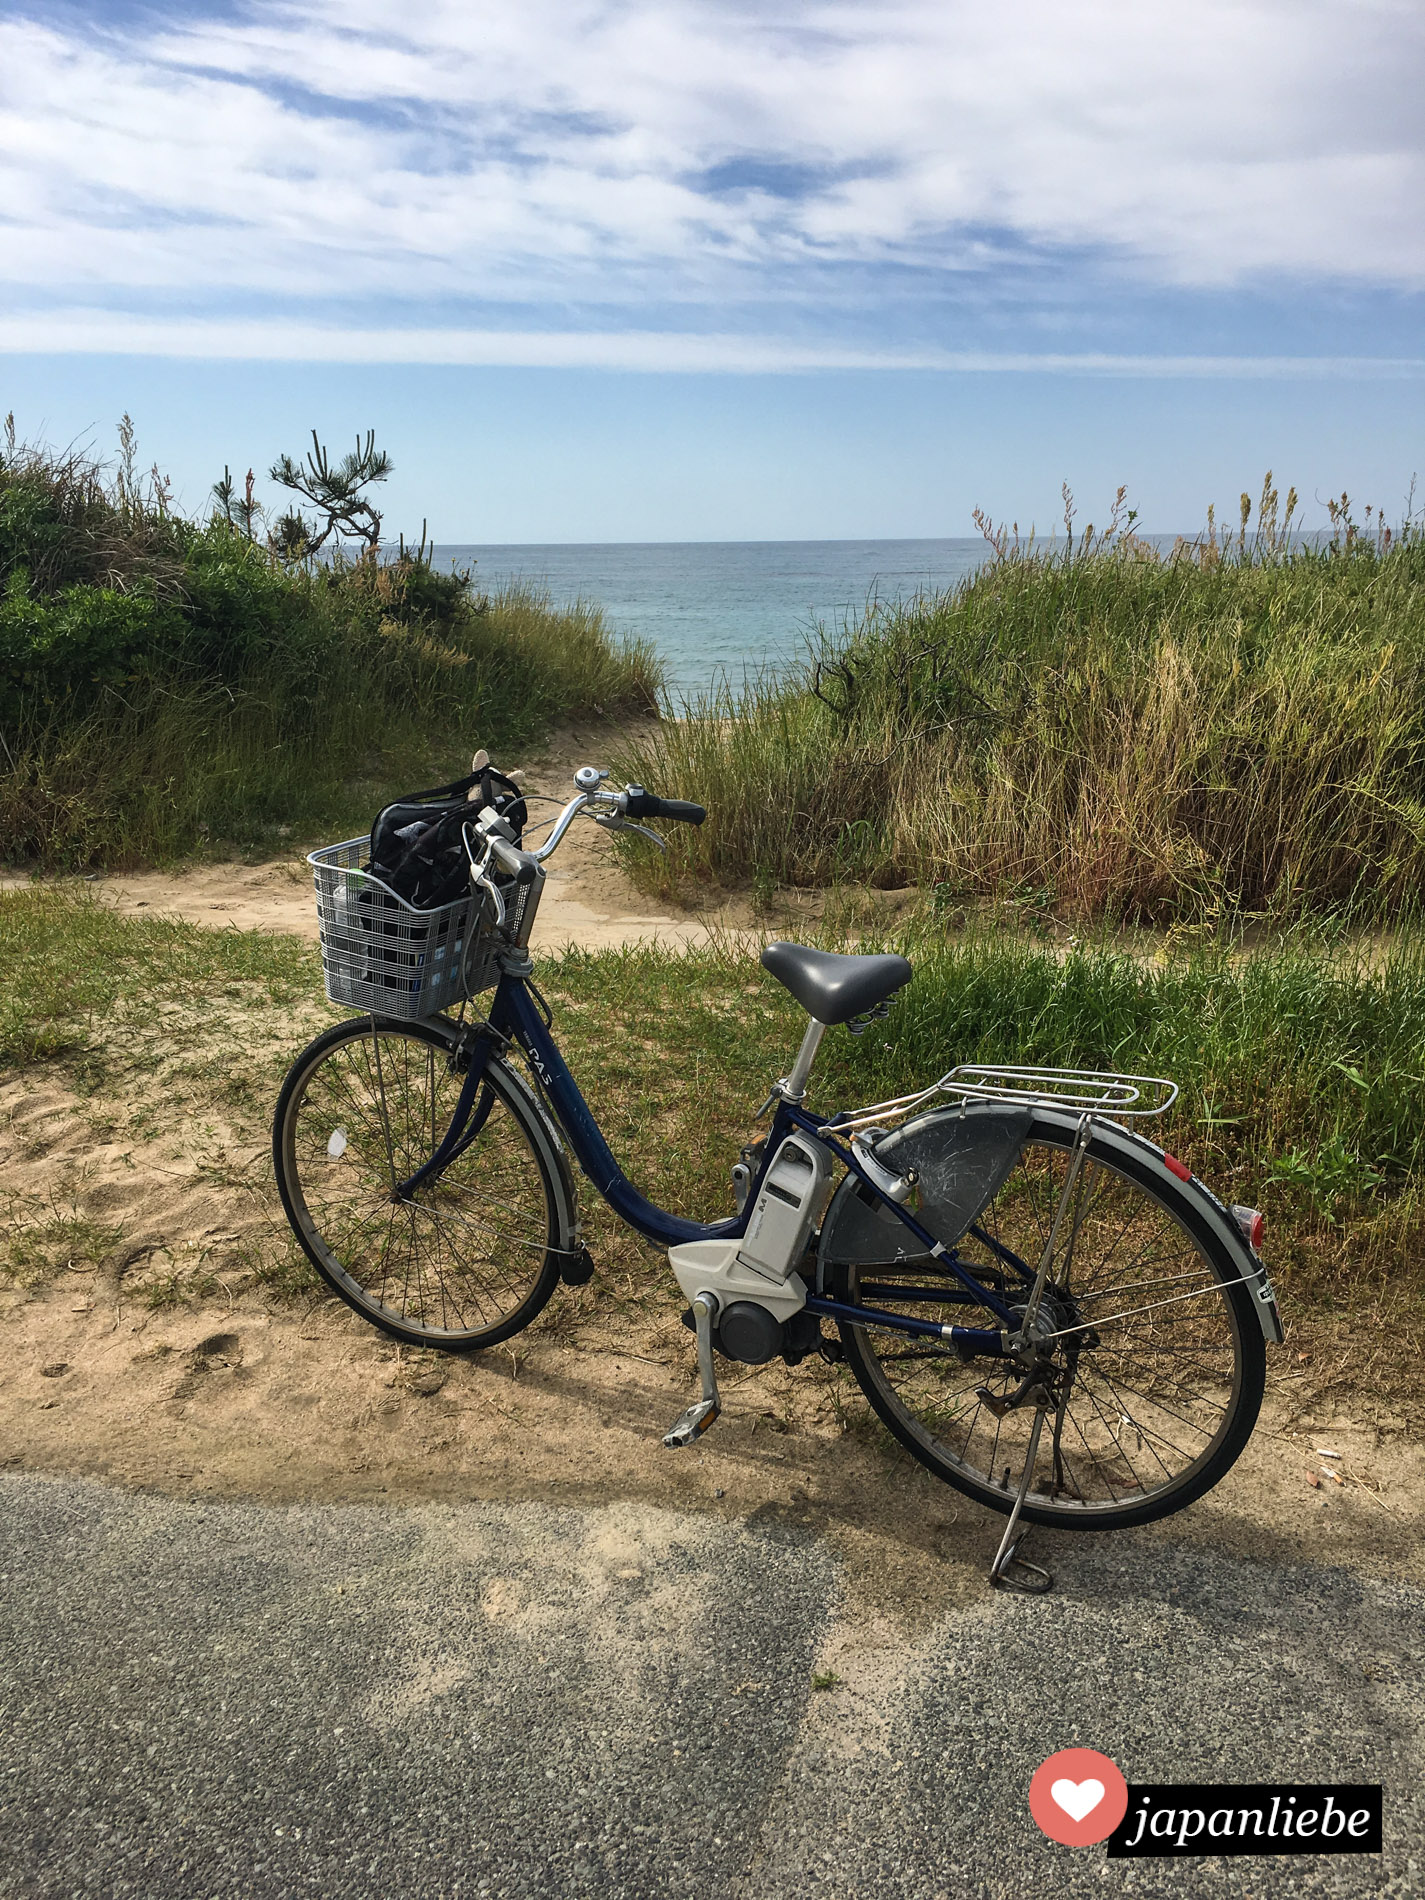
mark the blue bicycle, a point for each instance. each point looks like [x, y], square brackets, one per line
[1046, 1309]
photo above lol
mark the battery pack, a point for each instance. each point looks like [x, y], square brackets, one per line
[788, 1206]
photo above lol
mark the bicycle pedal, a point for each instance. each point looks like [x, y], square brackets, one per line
[692, 1424]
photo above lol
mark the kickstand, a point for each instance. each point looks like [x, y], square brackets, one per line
[1010, 1571]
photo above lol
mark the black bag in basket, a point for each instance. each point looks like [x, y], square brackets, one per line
[416, 845]
[417, 851]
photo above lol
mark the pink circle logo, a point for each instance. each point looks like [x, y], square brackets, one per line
[1078, 1797]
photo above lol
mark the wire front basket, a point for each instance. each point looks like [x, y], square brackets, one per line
[380, 953]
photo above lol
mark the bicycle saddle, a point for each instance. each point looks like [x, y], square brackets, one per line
[832, 988]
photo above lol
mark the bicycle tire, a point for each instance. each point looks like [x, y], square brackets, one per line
[362, 1107]
[1129, 1381]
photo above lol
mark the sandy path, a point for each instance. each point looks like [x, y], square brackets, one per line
[587, 899]
[238, 1399]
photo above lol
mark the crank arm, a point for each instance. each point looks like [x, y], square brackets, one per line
[702, 1412]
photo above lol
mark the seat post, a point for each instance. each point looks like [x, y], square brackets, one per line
[794, 1086]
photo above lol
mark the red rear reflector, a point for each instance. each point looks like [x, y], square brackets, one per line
[1174, 1166]
[1251, 1224]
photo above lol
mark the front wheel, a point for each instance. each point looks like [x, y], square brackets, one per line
[1158, 1362]
[470, 1256]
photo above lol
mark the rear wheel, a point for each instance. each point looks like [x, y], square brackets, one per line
[467, 1258]
[1157, 1363]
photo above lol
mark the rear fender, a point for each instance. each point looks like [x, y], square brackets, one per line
[1213, 1219]
[1210, 1213]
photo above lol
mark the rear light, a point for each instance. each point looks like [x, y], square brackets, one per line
[1179, 1168]
[1251, 1224]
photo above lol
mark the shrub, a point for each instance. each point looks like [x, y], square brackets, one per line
[166, 683]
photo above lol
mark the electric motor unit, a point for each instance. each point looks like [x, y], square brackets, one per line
[748, 1333]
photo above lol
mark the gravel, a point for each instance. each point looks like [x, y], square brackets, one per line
[215, 1699]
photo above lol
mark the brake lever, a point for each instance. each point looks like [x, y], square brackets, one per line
[492, 889]
[612, 821]
[481, 879]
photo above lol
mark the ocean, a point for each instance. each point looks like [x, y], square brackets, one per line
[719, 608]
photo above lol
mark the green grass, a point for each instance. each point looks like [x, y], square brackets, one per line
[1301, 1072]
[1110, 732]
[1301, 1069]
[67, 963]
[169, 687]
[41, 1237]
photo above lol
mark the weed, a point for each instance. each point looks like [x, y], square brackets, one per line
[41, 1238]
[1331, 1176]
[164, 1293]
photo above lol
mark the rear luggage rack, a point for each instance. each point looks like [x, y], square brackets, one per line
[1088, 1091]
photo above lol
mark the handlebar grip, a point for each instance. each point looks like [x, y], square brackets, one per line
[520, 865]
[643, 804]
[681, 809]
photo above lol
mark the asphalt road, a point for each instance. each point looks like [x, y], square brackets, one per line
[215, 1699]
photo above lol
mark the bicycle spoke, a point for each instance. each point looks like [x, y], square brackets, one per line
[1140, 1313]
[1126, 1417]
[1092, 1458]
[380, 1092]
[489, 1260]
[474, 1247]
[1117, 1391]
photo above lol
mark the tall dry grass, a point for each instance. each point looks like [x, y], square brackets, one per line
[1238, 723]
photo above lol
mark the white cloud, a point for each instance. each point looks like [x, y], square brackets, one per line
[100, 332]
[555, 150]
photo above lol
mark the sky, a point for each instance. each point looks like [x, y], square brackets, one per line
[708, 270]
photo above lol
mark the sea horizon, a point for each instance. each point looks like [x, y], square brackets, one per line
[717, 610]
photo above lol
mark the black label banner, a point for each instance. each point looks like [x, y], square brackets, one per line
[1174, 1819]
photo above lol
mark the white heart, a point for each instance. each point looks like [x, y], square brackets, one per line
[1077, 1798]
[336, 1147]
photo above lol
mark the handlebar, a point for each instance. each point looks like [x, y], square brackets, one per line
[616, 811]
[520, 864]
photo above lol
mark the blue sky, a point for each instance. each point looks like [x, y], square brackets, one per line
[703, 269]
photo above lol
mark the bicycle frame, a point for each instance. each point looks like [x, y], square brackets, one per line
[515, 1019]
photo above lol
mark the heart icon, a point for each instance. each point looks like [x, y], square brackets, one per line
[1077, 1798]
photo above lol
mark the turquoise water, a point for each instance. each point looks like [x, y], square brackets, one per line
[717, 608]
